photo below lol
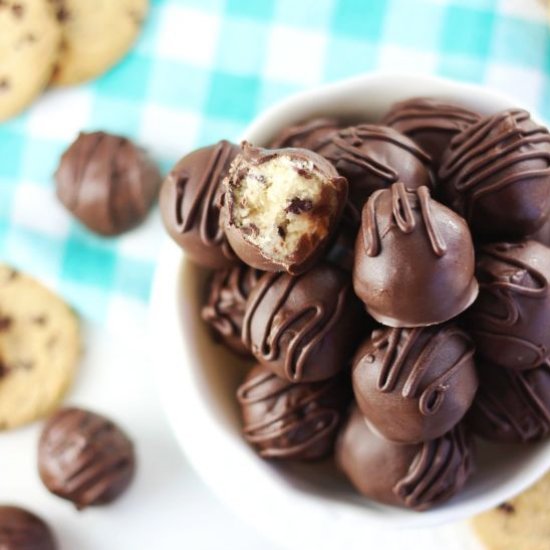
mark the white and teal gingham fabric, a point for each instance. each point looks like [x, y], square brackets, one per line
[201, 71]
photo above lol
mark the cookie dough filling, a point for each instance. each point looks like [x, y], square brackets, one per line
[284, 205]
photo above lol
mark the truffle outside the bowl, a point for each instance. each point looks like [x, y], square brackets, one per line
[297, 506]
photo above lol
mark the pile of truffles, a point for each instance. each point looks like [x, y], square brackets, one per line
[409, 257]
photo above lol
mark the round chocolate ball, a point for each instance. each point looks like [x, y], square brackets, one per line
[291, 421]
[373, 157]
[85, 458]
[414, 259]
[542, 235]
[107, 182]
[510, 321]
[312, 134]
[417, 476]
[227, 292]
[304, 328]
[190, 204]
[23, 530]
[430, 123]
[512, 406]
[415, 384]
[282, 207]
[496, 174]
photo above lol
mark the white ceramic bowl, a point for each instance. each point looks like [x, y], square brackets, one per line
[198, 379]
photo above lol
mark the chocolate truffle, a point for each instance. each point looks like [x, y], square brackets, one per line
[85, 458]
[512, 406]
[415, 384]
[417, 476]
[190, 208]
[542, 235]
[291, 421]
[22, 530]
[496, 174]
[106, 182]
[304, 328]
[281, 207]
[312, 134]
[430, 123]
[228, 291]
[373, 157]
[414, 259]
[510, 321]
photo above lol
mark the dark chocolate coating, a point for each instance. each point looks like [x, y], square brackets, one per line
[312, 134]
[542, 235]
[310, 249]
[430, 123]
[512, 406]
[291, 421]
[189, 204]
[414, 259]
[373, 157]
[510, 320]
[85, 458]
[304, 328]
[496, 174]
[106, 182]
[23, 530]
[417, 476]
[227, 293]
[415, 384]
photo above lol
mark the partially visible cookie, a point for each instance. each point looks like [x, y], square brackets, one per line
[520, 524]
[39, 349]
[29, 44]
[96, 34]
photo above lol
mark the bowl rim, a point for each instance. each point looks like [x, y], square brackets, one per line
[187, 399]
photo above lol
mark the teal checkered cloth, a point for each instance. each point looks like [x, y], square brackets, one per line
[201, 71]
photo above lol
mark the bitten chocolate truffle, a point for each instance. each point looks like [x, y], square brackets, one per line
[510, 321]
[512, 406]
[312, 134]
[416, 476]
[227, 293]
[291, 421]
[496, 174]
[373, 157]
[85, 458]
[106, 182]
[414, 259]
[189, 204]
[23, 530]
[304, 328]
[430, 123]
[415, 384]
[281, 207]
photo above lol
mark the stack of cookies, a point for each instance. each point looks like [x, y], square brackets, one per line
[59, 43]
[392, 282]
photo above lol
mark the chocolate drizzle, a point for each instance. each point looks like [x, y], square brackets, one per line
[313, 134]
[512, 406]
[398, 344]
[85, 458]
[348, 146]
[225, 305]
[403, 203]
[487, 156]
[514, 297]
[203, 210]
[285, 420]
[439, 469]
[314, 321]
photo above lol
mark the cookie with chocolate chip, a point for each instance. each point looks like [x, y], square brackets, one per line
[39, 349]
[522, 523]
[30, 38]
[96, 35]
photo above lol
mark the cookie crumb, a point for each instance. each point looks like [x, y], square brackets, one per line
[18, 10]
[39, 320]
[4, 84]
